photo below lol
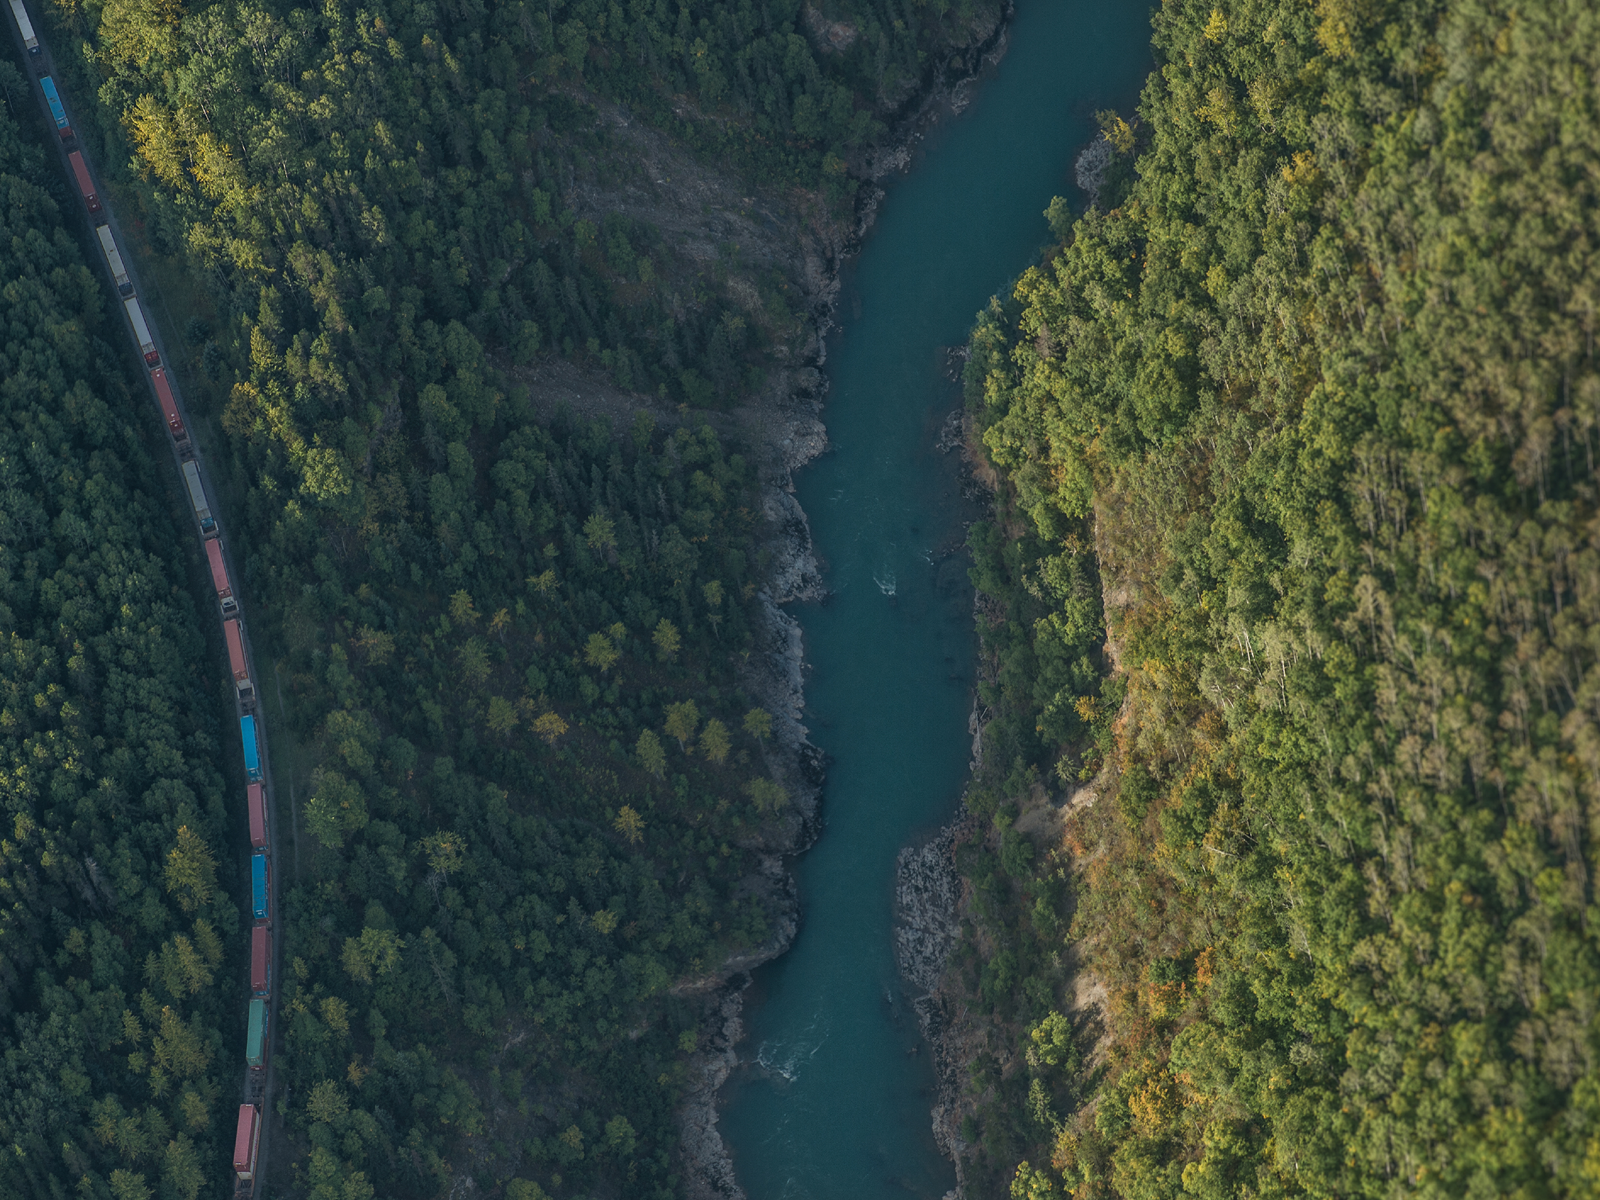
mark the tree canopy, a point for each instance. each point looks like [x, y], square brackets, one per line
[1309, 398]
[119, 947]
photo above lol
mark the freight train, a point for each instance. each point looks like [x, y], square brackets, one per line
[259, 996]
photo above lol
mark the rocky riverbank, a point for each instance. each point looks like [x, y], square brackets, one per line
[929, 898]
[927, 903]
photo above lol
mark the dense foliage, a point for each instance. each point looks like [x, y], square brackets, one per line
[1323, 375]
[347, 173]
[120, 981]
[506, 704]
[536, 796]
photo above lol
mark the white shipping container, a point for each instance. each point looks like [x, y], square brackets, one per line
[141, 331]
[21, 14]
[114, 259]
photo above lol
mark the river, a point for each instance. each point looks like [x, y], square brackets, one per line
[836, 1104]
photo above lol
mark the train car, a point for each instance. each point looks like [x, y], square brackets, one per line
[260, 960]
[169, 410]
[53, 97]
[80, 172]
[141, 330]
[238, 663]
[260, 887]
[197, 497]
[252, 756]
[219, 576]
[119, 273]
[256, 802]
[246, 1137]
[26, 26]
[255, 1040]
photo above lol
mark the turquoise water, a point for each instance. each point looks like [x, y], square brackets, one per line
[837, 1106]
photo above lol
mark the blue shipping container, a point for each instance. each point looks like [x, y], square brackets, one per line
[56, 111]
[252, 758]
[259, 884]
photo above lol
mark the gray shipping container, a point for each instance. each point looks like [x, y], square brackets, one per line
[147, 345]
[197, 496]
[119, 273]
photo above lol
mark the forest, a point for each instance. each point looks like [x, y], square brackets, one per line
[120, 973]
[505, 651]
[339, 177]
[1291, 586]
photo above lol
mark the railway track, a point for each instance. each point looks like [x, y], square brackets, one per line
[259, 1004]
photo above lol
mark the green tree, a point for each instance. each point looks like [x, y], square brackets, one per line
[180, 1168]
[375, 952]
[600, 532]
[683, 718]
[713, 594]
[502, 716]
[714, 743]
[474, 659]
[767, 795]
[445, 852]
[621, 1139]
[758, 724]
[191, 870]
[549, 726]
[600, 653]
[629, 824]
[651, 756]
[462, 610]
[335, 809]
[667, 639]
[328, 1103]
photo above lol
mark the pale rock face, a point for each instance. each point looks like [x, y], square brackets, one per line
[835, 36]
[1091, 167]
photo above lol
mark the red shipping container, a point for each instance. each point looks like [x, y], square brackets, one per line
[241, 669]
[85, 184]
[169, 408]
[230, 630]
[246, 1141]
[219, 576]
[260, 960]
[257, 804]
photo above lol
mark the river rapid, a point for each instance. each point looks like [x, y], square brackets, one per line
[832, 1099]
